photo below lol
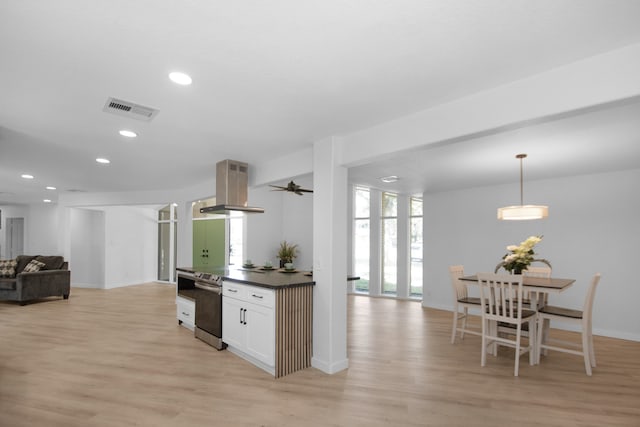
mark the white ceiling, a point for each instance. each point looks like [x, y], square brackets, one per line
[273, 76]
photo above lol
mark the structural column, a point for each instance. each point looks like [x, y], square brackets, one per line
[329, 257]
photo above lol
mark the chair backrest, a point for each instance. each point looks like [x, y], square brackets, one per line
[591, 294]
[501, 296]
[544, 272]
[459, 288]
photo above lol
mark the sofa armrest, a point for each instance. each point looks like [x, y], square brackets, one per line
[45, 283]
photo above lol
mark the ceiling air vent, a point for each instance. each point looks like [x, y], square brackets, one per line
[130, 109]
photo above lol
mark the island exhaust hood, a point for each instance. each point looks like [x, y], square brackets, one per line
[232, 183]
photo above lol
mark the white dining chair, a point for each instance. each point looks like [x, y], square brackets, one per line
[531, 271]
[501, 301]
[461, 300]
[583, 318]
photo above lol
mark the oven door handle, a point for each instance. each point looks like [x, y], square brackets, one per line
[208, 288]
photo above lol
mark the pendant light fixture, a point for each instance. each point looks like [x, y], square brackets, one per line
[522, 211]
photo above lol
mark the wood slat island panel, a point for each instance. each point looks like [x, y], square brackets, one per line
[294, 329]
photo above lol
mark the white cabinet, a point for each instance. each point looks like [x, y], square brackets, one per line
[248, 323]
[260, 333]
[233, 329]
[186, 312]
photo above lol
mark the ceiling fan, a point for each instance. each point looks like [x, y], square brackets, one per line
[292, 187]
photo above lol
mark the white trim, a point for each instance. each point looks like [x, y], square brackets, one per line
[330, 368]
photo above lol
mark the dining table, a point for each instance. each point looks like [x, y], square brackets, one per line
[537, 287]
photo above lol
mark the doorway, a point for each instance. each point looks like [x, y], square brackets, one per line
[14, 237]
[167, 243]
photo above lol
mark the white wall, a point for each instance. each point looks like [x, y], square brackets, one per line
[297, 222]
[131, 245]
[87, 259]
[592, 227]
[112, 246]
[41, 236]
[263, 231]
[287, 217]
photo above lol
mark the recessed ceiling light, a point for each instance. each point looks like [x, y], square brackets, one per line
[180, 78]
[51, 188]
[101, 160]
[128, 133]
[390, 178]
[27, 176]
[47, 201]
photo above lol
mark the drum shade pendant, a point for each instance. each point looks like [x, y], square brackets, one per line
[522, 211]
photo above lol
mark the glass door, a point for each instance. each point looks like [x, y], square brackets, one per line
[167, 243]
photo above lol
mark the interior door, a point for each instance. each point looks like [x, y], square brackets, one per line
[15, 237]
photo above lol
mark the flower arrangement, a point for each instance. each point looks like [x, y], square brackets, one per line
[521, 256]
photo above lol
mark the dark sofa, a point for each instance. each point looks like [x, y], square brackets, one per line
[53, 279]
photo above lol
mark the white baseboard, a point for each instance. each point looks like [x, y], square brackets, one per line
[330, 368]
[86, 285]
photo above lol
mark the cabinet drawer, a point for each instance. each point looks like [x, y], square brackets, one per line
[234, 290]
[186, 312]
[261, 296]
[253, 294]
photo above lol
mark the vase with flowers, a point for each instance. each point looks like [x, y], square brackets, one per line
[520, 257]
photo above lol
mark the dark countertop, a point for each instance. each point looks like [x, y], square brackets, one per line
[273, 279]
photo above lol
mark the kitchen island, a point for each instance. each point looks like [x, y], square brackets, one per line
[267, 316]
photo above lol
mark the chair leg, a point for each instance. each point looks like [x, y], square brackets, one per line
[517, 362]
[592, 352]
[585, 351]
[539, 340]
[493, 331]
[533, 342]
[464, 322]
[546, 325]
[455, 324]
[483, 357]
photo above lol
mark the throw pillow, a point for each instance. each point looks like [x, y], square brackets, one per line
[51, 262]
[23, 260]
[33, 266]
[8, 267]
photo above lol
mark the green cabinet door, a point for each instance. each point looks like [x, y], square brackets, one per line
[209, 243]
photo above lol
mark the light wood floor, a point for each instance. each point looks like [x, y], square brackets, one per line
[118, 358]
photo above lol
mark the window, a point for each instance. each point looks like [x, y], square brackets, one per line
[389, 230]
[387, 243]
[415, 249]
[361, 237]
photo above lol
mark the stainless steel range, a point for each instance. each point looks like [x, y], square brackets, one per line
[206, 291]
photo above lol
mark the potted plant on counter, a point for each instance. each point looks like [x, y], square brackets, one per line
[287, 252]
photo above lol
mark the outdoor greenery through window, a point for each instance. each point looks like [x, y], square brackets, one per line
[383, 221]
[361, 236]
[415, 240]
[389, 243]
